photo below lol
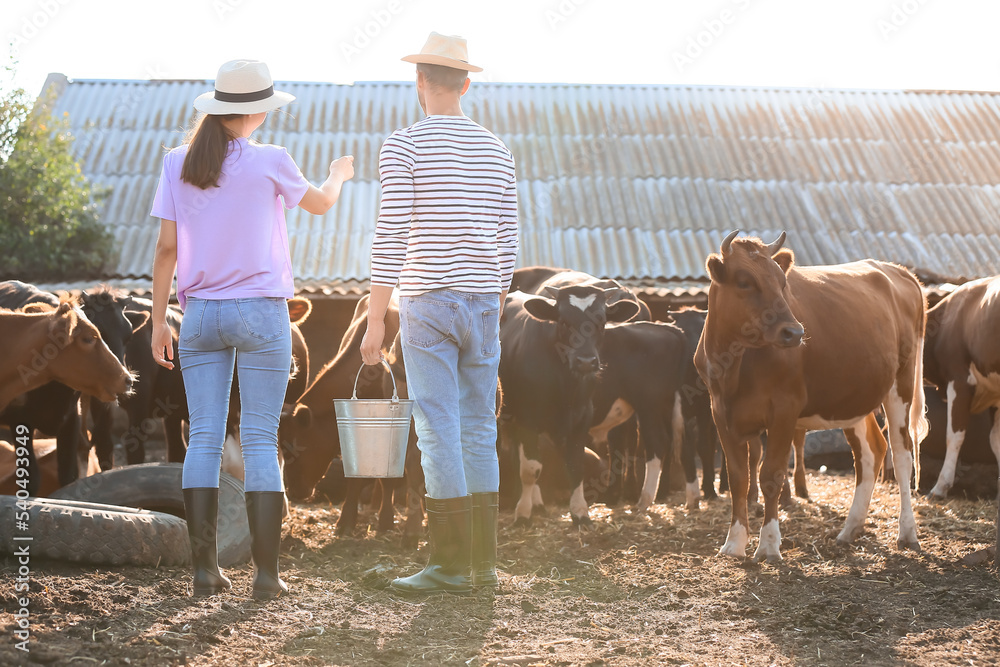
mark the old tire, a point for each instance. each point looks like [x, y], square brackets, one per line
[94, 533]
[157, 487]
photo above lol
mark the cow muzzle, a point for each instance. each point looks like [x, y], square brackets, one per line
[791, 335]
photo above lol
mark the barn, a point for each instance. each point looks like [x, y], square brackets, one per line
[637, 183]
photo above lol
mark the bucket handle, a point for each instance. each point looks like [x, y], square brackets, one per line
[395, 394]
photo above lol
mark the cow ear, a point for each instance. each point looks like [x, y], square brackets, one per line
[784, 259]
[138, 318]
[299, 309]
[622, 311]
[64, 323]
[542, 308]
[302, 416]
[608, 284]
[716, 268]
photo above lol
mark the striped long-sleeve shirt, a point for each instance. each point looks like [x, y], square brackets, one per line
[448, 215]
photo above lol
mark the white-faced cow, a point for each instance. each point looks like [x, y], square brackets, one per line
[548, 371]
[788, 347]
[962, 359]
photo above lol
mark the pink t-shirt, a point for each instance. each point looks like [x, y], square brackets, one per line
[231, 240]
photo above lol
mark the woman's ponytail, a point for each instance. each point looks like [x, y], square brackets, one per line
[208, 147]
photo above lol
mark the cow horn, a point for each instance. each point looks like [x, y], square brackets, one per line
[550, 291]
[776, 246]
[727, 241]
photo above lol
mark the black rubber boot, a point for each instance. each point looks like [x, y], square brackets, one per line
[485, 510]
[201, 509]
[264, 509]
[449, 568]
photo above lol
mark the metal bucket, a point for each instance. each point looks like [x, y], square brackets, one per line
[373, 432]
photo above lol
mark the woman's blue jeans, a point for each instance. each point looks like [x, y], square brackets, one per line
[451, 349]
[252, 334]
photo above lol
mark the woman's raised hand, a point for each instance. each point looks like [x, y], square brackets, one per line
[343, 167]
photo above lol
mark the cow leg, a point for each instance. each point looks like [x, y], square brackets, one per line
[773, 479]
[655, 438]
[67, 444]
[869, 447]
[607, 433]
[959, 405]
[100, 412]
[579, 510]
[756, 452]
[897, 413]
[414, 525]
[349, 510]
[707, 437]
[995, 446]
[684, 447]
[738, 468]
[531, 469]
[386, 511]
[801, 489]
[173, 434]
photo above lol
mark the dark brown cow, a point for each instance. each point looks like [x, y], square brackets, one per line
[787, 348]
[57, 344]
[962, 359]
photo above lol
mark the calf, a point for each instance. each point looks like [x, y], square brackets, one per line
[548, 370]
[776, 356]
[60, 344]
[54, 408]
[641, 372]
[962, 358]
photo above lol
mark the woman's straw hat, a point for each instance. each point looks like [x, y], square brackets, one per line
[243, 87]
[446, 50]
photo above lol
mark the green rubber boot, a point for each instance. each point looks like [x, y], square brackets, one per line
[449, 568]
[485, 510]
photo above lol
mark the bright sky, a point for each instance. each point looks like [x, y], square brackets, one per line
[922, 44]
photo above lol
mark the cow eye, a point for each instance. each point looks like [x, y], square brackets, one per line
[88, 341]
[744, 283]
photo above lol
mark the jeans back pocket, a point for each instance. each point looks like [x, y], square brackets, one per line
[428, 322]
[191, 322]
[266, 318]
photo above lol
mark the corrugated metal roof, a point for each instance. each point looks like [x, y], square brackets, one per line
[632, 182]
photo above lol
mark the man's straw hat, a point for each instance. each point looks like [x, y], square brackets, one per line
[446, 50]
[243, 87]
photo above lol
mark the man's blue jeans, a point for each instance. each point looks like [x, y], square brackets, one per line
[451, 349]
[254, 334]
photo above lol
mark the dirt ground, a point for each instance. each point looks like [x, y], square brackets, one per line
[635, 590]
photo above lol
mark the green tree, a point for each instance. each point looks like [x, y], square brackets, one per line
[49, 225]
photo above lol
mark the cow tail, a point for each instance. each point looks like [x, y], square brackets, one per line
[919, 425]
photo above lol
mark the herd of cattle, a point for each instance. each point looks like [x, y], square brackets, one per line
[781, 350]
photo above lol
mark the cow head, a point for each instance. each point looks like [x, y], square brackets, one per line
[105, 308]
[749, 292]
[580, 313]
[80, 358]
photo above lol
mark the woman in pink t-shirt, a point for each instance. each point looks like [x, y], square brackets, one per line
[221, 200]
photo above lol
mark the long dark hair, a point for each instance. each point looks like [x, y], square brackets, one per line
[208, 145]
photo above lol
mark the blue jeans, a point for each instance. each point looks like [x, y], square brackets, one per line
[451, 349]
[252, 333]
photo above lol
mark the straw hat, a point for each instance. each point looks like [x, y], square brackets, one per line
[243, 87]
[447, 50]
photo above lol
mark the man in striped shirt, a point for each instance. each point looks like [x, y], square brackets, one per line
[447, 235]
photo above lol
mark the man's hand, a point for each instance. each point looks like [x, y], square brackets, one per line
[163, 344]
[371, 344]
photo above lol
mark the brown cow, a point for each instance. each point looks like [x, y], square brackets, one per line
[787, 348]
[962, 358]
[57, 343]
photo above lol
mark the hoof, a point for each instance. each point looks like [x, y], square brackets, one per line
[582, 521]
[693, 506]
[539, 510]
[907, 544]
[802, 493]
[522, 521]
[710, 494]
[772, 559]
[938, 493]
[732, 552]
[786, 502]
